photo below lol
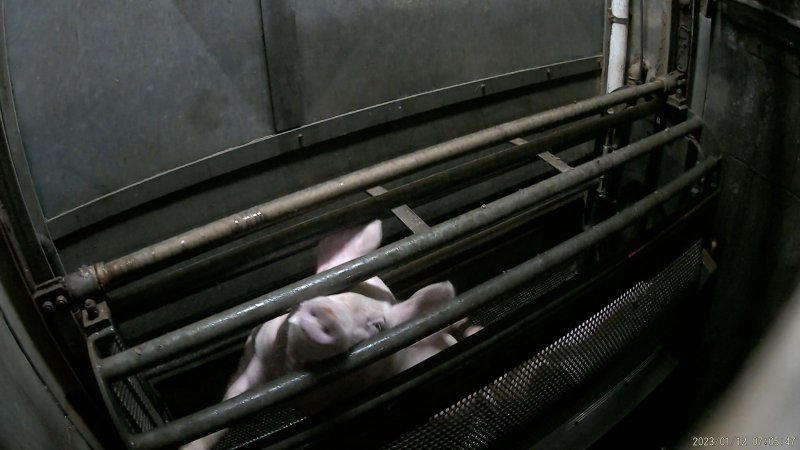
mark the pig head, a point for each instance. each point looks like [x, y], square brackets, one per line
[327, 326]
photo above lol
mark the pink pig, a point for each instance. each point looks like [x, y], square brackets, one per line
[327, 326]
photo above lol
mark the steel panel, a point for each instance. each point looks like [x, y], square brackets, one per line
[356, 53]
[110, 94]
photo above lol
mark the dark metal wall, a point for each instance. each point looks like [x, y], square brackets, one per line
[354, 54]
[35, 381]
[752, 108]
[108, 95]
[142, 122]
[30, 417]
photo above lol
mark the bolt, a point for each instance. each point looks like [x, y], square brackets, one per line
[91, 308]
[47, 305]
[61, 300]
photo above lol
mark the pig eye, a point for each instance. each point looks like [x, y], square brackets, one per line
[378, 324]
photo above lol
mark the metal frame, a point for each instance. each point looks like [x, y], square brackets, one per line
[94, 280]
[221, 415]
[299, 138]
[273, 304]
[228, 261]
[552, 316]
[25, 220]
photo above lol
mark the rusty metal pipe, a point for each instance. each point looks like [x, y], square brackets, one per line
[97, 278]
[176, 282]
[218, 416]
[185, 339]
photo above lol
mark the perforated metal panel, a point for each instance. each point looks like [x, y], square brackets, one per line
[251, 430]
[501, 308]
[523, 394]
[137, 403]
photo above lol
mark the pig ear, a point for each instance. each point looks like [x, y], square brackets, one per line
[347, 245]
[422, 301]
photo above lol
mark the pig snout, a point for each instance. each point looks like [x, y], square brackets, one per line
[319, 322]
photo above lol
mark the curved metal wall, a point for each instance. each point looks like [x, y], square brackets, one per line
[123, 108]
[108, 94]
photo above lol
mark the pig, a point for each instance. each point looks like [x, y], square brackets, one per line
[327, 326]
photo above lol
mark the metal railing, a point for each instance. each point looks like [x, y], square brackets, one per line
[191, 337]
[95, 279]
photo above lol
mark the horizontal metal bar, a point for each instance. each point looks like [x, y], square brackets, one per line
[221, 415]
[403, 212]
[94, 279]
[367, 209]
[543, 316]
[270, 305]
[555, 161]
[484, 235]
[235, 158]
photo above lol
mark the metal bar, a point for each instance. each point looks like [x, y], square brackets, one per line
[442, 181]
[555, 161]
[102, 276]
[234, 158]
[406, 215]
[270, 305]
[542, 315]
[483, 236]
[218, 416]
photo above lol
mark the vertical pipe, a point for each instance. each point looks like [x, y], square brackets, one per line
[618, 45]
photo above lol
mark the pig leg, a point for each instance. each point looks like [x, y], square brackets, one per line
[259, 348]
[423, 349]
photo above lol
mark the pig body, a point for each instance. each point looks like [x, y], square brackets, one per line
[326, 326]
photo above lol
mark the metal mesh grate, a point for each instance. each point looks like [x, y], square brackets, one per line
[501, 308]
[256, 427]
[518, 397]
[135, 401]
